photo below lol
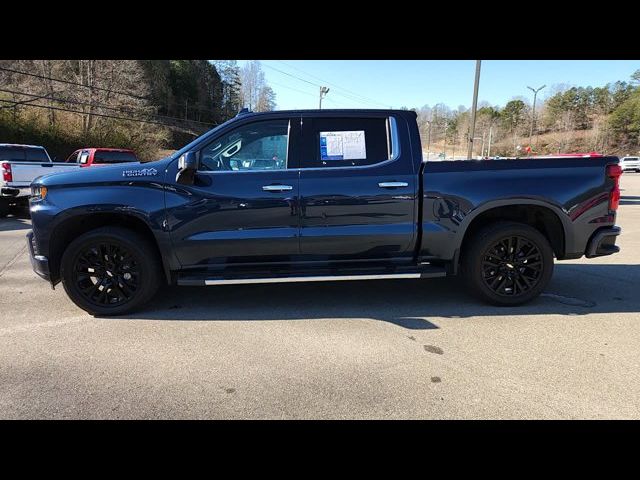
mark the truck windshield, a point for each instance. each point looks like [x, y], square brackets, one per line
[114, 157]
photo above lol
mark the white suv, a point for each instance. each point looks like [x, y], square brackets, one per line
[630, 163]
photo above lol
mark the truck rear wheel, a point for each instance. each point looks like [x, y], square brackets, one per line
[110, 271]
[507, 263]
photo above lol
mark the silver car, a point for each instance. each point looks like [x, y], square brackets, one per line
[630, 163]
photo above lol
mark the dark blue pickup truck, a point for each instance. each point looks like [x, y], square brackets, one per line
[298, 196]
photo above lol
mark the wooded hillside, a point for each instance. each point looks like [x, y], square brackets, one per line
[145, 105]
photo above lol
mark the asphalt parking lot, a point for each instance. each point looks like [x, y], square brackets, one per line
[381, 349]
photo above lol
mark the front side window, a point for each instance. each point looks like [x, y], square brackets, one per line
[255, 146]
[84, 156]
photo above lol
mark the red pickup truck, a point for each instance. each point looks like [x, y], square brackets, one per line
[86, 157]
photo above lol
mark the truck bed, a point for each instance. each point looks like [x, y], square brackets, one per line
[575, 190]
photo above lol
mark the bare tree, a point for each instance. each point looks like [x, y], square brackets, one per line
[266, 99]
[252, 78]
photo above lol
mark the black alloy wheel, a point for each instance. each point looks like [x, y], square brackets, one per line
[106, 274]
[512, 266]
[507, 263]
[111, 270]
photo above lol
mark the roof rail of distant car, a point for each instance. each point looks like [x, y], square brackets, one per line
[20, 145]
[584, 155]
[107, 149]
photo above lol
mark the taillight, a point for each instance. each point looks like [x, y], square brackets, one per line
[614, 171]
[7, 176]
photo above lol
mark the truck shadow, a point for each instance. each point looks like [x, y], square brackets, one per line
[576, 289]
[11, 223]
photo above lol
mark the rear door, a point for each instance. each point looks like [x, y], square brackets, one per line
[358, 189]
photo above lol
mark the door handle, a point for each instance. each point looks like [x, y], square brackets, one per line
[277, 188]
[393, 184]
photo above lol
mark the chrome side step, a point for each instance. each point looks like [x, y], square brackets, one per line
[323, 278]
[306, 278]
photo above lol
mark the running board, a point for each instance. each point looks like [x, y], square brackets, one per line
[305, 278]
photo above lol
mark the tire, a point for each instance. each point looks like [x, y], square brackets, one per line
[126, 276]
[521, 273]
[4, 208]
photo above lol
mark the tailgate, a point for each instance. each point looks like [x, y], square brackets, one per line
[25, 172]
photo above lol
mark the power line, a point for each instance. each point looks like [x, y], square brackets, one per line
[303, 92]
[350, 97]
[291, 88]
[93, 87]
[98, 105]
[332, 84]
[96, 114]
[22, 102]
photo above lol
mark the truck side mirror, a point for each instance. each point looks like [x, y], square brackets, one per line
[187, 167]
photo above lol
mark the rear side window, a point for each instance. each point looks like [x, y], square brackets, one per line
[114, 157]
[345, 142]
[12, 154]
[36, 155]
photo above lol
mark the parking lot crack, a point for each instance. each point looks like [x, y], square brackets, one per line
[13, 260]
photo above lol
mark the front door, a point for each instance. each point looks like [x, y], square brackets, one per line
[358, 190]
[242, 207]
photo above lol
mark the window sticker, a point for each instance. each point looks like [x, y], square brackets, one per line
[347, 145]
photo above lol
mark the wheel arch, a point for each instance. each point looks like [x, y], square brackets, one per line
[540, 215]
[72, 227]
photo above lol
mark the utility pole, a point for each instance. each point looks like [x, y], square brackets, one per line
[490, 136]
[323, 93]
[482, 149]
[444, 150]
[533, 112]
[472, 126]
[429, 140]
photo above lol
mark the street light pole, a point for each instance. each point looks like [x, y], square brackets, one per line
[323, 93]
[533, 112]
[444, 150]
[472, 126]
[490, 137]
[429, 140]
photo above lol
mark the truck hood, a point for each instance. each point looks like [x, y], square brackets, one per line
[109, 173]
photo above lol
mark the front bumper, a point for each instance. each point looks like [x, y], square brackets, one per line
[39, 263]
[603, 242]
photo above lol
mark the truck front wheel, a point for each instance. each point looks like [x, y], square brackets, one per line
[507, 263]
[110, 271]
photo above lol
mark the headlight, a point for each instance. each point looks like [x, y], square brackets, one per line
[38, 192]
